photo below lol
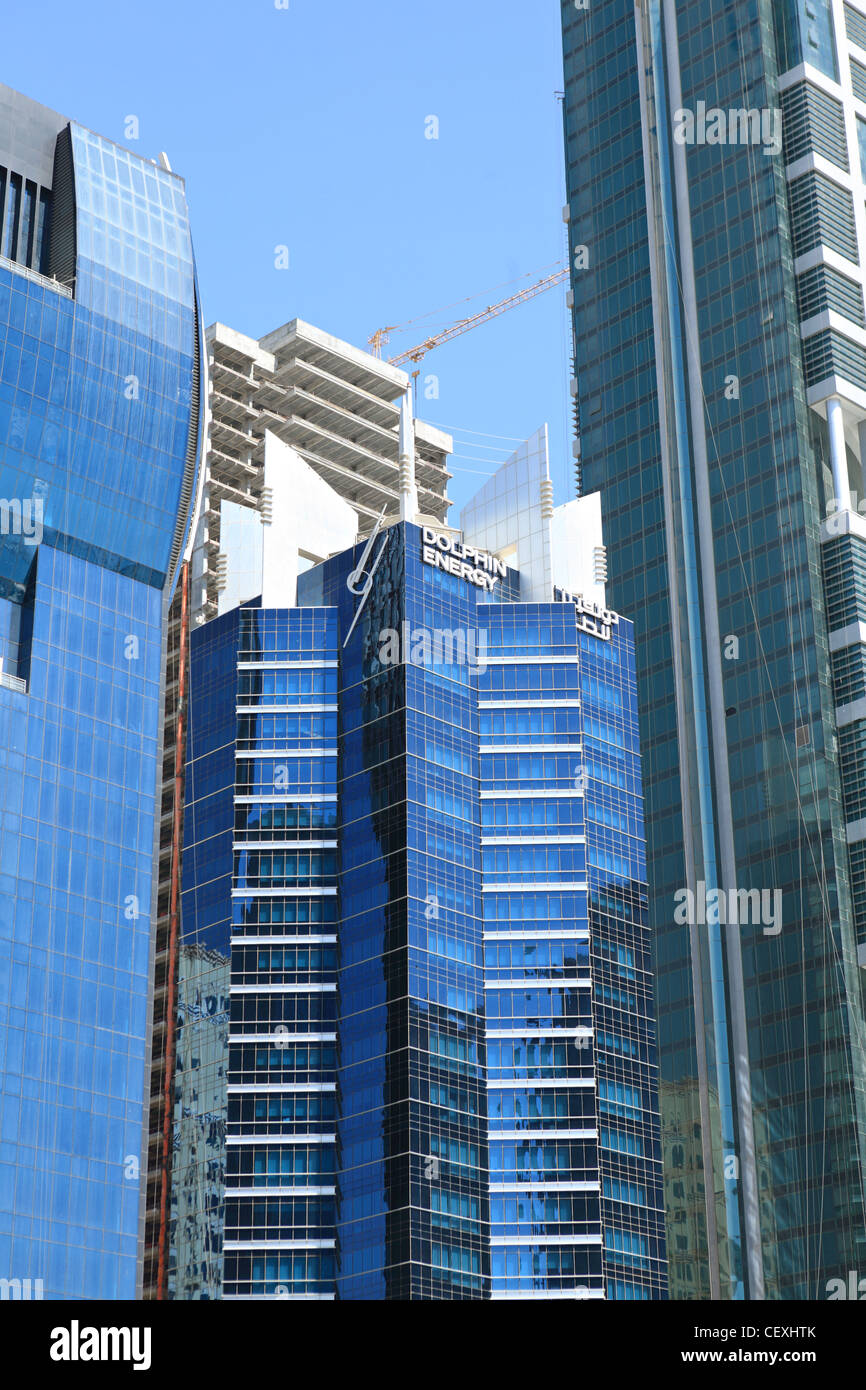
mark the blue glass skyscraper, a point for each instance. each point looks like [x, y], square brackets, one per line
[99, 448]
[414, 966]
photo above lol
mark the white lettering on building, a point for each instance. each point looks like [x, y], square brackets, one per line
[591, 617]
[463, 561]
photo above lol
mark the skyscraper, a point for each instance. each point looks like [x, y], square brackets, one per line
[99, 449]
[416, 1055]
[718, 239]
[339, 407]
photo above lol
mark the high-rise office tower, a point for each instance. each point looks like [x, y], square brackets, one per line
[339, 407]
[99, 448]
[416, 1053]
[717, 219]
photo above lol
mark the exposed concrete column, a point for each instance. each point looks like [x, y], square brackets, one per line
[861, 434]
[408, 485]
[838, 455]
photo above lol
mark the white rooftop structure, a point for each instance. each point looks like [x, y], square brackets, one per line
[513, 517]
[302, 521]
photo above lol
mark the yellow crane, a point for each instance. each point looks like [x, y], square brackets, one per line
[415, 354]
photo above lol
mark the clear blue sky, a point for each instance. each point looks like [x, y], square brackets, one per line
[305, 127]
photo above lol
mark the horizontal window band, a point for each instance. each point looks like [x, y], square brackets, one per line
[282, 1139]
[499, 841]
[551, 1034]
[544, 660]
[851, 713]
[552, 935]
[538, 1136]
[522, 985]
[288, 665]
[491, 749]
[581, 1293]
[283, 989]
[284, 1038]
[245, 1088]
[259, 1192]
[279, 1244]
[534, 887]
[529, 704]
[503, 1241]
[523, 795]
[530, 1187]
[279, 845]
[277, 893]
[294, 1297]
[251, 754]
[288, 798]
[287, 709]
[282, 940]
[548, 1083]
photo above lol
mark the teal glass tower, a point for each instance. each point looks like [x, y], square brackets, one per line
[99, 449]
[717, 227]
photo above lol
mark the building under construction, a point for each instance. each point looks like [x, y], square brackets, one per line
[339, 408]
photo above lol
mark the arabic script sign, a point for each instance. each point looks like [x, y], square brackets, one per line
[591, 617]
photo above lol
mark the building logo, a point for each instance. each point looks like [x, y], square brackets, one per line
[360, 581]
[591, 617]
[463, 561]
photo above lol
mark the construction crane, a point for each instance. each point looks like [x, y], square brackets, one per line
[415, 354]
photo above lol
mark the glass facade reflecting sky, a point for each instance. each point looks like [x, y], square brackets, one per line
[425, 876]
[97, 429]
[575, 1156]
